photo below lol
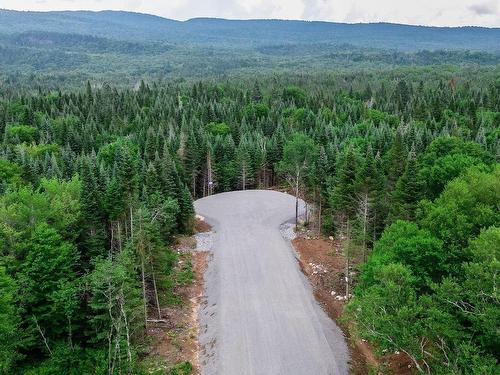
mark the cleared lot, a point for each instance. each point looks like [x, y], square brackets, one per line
[260, 316]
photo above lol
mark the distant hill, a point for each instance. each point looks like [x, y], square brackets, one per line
[68, 48]
[129, 26]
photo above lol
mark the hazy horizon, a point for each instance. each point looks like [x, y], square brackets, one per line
[447, 13]
[251, 19]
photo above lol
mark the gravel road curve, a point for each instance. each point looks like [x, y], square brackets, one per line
[259, 316]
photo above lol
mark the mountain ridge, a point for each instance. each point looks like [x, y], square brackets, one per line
[292, 20]
[124, 25]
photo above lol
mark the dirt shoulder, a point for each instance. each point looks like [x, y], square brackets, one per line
[174, 338]
[322, 261]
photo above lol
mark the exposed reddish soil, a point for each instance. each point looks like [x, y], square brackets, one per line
[202, 226]
[323, 263]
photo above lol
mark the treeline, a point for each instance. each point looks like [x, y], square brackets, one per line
[84, 235]
[402, 166]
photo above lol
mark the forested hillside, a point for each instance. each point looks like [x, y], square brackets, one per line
[95, 182]
[67, 48]
[245, 33]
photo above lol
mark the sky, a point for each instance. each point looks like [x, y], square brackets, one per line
[416, 12]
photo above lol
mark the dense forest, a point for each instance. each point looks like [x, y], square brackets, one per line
[96, 181]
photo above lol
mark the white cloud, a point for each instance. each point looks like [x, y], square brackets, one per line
[427, 12]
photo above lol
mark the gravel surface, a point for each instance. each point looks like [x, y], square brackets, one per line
[287, 230]
[259, 316]
[204, 241]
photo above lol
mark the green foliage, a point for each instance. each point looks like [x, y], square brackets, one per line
[379, 117]
[9, 323]
[72, 361]
[256, 111]
[466, 205]
[10, 173]
[183, 368]
[446, 158]
[388, 312]
[186, 273]
[21, 134]
[40, 151]
[221, 128]
[54, 202]
[472, 297]
[448, 281]
[295, 94]
[407, 192]
[298, 153]
[403, 242]
[100, 180]
[343, 193]
[48, 295]
[116, 306]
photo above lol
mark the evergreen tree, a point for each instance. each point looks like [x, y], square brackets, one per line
[93, 232]
[343, 192]
[406, 195]
[396, 162]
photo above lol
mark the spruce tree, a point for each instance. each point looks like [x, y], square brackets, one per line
[343, 192]
[406, 195]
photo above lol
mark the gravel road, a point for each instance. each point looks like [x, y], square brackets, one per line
[259, 316]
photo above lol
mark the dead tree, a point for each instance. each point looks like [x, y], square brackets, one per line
[364, 216]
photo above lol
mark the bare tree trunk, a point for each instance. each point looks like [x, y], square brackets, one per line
[194, 184]
[363, 214]
[347, 275]
[157, 300]
[127, 332]
[244, 181]
[41, 334]
[365, 220]
[110, 346]
[319, 214]
[131, 222]
[112, 240]
[119, 236]
[209, 172]
[297, 200]
[117, 347]
[142, 253]
[153, 276]
[111, 328]
[306, 213]
[144, 291]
